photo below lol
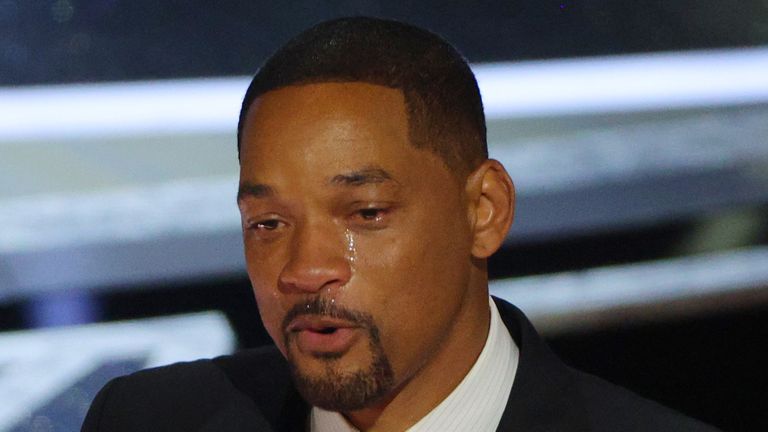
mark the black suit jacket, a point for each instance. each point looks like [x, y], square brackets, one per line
[252, 391]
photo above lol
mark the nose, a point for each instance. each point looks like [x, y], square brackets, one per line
[318, 259]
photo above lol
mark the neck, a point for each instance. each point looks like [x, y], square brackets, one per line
[435, 380]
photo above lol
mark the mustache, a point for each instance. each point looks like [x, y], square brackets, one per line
[321, 306]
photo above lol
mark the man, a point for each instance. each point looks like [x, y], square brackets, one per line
[369, 207]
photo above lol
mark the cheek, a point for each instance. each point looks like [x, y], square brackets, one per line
[262, 272]
[384, 263]
[416, 261]
[271, 316]
[264, 263]
[401, 283]
[415, 278]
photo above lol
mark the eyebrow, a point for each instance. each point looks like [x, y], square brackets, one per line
[362, 177]
[354, 178]
[254, 191]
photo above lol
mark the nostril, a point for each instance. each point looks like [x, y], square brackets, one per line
[315, 274]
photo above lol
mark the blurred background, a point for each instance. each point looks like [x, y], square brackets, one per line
[636, 133]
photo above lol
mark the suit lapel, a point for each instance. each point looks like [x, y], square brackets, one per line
[262, 379]
[543, 396]
[295, 413]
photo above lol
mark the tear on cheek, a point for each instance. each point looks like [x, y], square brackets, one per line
[351, 252]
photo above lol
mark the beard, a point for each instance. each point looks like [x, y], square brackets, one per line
[334, 390]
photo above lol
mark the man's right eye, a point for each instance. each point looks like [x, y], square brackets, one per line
[267, 225]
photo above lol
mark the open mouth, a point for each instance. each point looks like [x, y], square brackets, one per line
[318, 324]
[326, 330]
[319, 334]
[325, 339]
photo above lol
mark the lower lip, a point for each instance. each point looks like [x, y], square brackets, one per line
[338, 342]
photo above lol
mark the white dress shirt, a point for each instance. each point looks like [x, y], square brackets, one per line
[476, 404]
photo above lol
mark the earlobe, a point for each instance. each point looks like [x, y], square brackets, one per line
[492, 202]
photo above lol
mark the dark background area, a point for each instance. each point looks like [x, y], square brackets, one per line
[67, 41]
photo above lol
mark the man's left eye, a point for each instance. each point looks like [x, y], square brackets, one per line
[371, 214]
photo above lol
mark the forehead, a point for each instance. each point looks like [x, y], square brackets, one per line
[326, 128]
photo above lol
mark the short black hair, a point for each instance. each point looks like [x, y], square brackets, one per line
[445, 111]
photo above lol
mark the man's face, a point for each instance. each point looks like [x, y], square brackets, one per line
[358, 245]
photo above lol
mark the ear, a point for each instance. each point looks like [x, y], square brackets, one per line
[491, 195]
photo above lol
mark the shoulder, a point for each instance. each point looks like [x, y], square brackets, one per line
[549, 395]
[196, 379]
[184, 396]
[610, 407]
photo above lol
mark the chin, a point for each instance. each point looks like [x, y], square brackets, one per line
[337, 388]
[346, 380]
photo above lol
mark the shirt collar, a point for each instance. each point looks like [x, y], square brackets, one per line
[476, 404]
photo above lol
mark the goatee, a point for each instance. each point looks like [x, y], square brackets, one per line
[334, 390]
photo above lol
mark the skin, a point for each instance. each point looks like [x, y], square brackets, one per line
[336, 203]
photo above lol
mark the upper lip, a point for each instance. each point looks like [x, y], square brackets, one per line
[317, 322]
